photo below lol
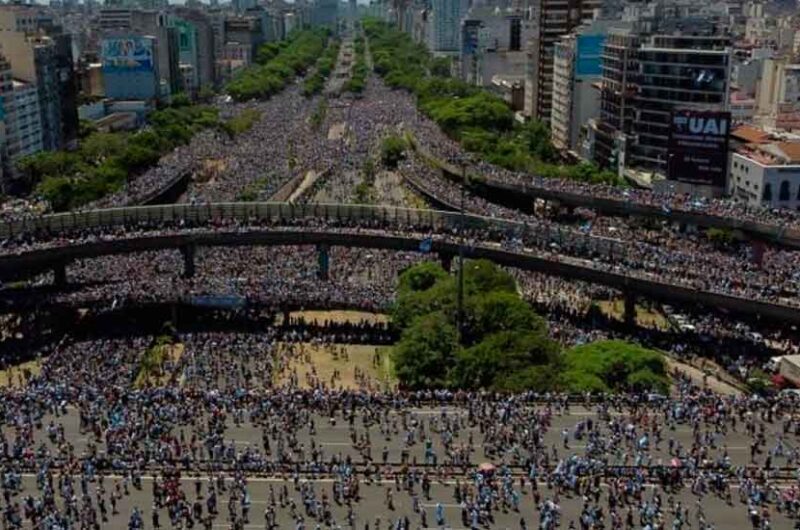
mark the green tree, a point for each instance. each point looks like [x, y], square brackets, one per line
[392, 151]
[490, 362]
[101, 146]
[424, 352]
[483, 276]
[499, 311]
[180, 100]
[502, 335]
[421, 277]
[85, 128]
[57, 191]
[620, 365]
[440, 67]
[206, 93]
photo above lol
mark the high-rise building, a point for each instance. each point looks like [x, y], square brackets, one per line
[325, 13]
[116, 18]
[196, 43]
[25, 18]
[159, 24]
[25, 135]
[552, 19]
[491, 45]
[36, 21]
[67, 88]
[778, 94]
[576, 69]
[646, 79]
[446, 34]
[246, 33]
[289, 23]
[20, 125]
[34, 59]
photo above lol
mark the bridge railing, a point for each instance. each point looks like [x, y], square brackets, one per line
[289, 213]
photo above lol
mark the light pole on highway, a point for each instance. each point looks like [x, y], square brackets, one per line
[460, 300]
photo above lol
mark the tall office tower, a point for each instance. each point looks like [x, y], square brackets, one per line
[159, 24]
[491, 45]
[778, 95]
[325, 13]
[34, 59]
[115, 18]
[576, 71]
[446, 35]
[27, 19]
[650, 78]
[8, 118]
[67, 89]
[240, 6]
[32, 22]
[196, 42]
[552, 19]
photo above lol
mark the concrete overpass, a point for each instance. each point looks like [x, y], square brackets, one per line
[521, 196]
[337, 225]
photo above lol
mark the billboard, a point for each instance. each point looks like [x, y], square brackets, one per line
[128, 54]
[590, 50]
[698, 147]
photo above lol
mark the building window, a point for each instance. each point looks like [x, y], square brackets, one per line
[767, 195]
[783, 195]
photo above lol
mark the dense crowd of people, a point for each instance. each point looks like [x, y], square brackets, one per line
[276, 428]
[617, 245]
[660, 252]
[289, 274]
[224, 407]
[776, 281]
[432, 139]
[267, 276]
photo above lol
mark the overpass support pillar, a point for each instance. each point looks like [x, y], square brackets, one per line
[446, 260]
[757, 249]
[188, 260]
[174, 315]
[630, 308]
[60, 274]
[323, 261]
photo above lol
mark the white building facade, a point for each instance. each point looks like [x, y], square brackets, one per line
[756, 181]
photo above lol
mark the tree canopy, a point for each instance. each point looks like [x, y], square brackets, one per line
[480, 120]
[358, 77]
[322, 69]
[277, 64]
[392, 149]
[503, 344]
[614, 365]
[500, 333]
[104, 161]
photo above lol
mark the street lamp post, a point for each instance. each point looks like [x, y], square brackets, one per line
[460, 309]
